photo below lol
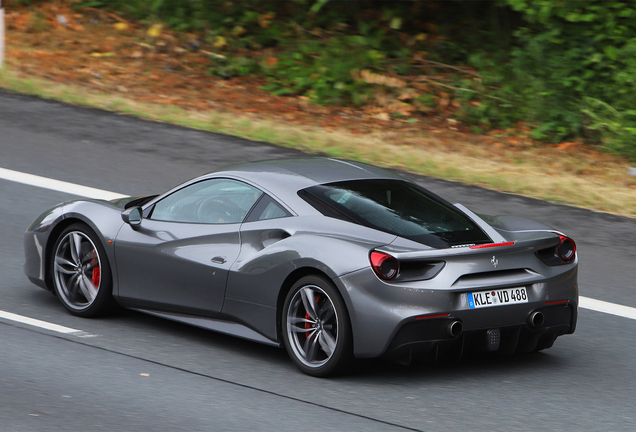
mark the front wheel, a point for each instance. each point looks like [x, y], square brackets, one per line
[81, 272]
[316, 328]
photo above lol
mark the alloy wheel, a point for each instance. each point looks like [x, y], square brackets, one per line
[77, 270]
[312, 326]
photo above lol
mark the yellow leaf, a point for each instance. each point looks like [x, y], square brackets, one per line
[219, 42]
[238, 31]
[121, 26]
[154, 30]
[106, 54]
[395, 23]
[144, 374]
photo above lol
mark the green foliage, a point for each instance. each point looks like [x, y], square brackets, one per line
[228, 67]
[180, 15]
[490, 100]
[311, 60]
[578, 62]
[324, 70]
[616, 130]
[566, 67]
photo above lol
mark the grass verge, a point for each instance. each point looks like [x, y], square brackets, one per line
[539, 172]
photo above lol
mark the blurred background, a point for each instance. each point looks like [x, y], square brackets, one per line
[494, 92]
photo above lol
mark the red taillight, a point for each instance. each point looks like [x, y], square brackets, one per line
[566, 249]
[491, 245]
[384, 265]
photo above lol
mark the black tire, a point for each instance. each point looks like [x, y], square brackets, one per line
[81, 272]
[316, 328]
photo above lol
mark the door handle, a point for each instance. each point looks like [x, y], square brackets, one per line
[219, 260]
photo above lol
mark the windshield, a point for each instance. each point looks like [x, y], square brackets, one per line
[396, 207]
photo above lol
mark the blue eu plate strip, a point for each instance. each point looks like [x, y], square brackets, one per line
[471, 302]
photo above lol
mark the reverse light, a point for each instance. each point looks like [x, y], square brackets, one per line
[384, 265]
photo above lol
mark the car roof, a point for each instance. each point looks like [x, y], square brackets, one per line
[283, 178]
[295, 174]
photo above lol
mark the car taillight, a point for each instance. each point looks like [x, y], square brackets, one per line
[562, 253]
[566, 248]
[384, 265]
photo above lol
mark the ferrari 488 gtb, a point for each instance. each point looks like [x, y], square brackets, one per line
[334, 260]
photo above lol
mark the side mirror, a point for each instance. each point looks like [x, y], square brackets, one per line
[132, 217]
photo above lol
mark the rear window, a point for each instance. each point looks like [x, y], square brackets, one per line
[396, 207]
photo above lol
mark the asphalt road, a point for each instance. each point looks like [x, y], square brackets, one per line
[136, 372]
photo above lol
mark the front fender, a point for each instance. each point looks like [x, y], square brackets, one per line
[101, 217]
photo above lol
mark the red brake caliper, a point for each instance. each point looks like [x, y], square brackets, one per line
[308, 317]
[96, 272]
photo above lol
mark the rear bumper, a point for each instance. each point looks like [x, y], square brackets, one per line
[430, 338]
[388, 318]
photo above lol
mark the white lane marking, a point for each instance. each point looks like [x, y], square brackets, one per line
[57, 185]
[33, 180]
[607, 307]
[41, 324]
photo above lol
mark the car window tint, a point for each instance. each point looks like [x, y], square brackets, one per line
[400, 208]
[216, 201]
[267, 208]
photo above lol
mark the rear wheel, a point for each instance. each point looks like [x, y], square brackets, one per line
[81, 272]
[316, 328]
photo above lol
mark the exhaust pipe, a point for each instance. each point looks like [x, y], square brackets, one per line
[535, 320]
[455, 328]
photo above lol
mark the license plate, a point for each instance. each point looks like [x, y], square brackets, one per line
[497, 297]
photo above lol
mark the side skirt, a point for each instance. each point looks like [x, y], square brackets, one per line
[226, 327]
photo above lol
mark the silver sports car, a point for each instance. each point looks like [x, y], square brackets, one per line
[334, 260]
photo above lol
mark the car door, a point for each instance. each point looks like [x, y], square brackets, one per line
[178, 258]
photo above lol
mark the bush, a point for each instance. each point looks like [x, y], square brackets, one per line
[324, 70]
[578, 62]
[566, 67]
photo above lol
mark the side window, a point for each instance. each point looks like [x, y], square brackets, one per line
[267, 208]
[215, 201]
